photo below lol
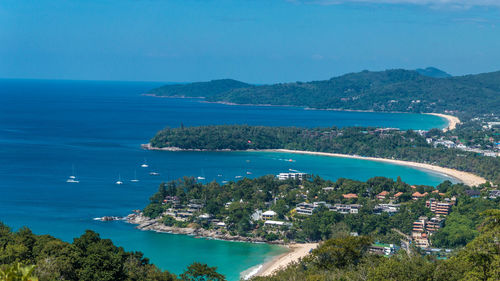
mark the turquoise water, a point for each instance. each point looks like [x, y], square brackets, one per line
[46, 127]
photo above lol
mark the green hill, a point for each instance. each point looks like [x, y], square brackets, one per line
[198, 89]
[390, 90]
[432, 72]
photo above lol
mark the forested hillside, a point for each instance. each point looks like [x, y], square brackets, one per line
[392, 144]
[390, 90]
[347, 258]
[198, 89]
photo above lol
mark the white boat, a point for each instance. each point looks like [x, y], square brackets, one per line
[135, 177]
[72, 178]
[144, 165]
[249, 173]
[154, 174]
[201, 178]
[238, 177]
[119, 181]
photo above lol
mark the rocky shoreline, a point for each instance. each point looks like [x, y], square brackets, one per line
[145, 223]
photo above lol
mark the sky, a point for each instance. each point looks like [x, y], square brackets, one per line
[254, 41]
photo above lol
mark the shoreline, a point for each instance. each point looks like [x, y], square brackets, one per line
[296, 251]
[465, 177]
[452, 120]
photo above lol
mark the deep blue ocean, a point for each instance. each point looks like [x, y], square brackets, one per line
[48, 127]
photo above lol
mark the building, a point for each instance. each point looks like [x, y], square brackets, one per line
[419, 225]
[440, 208]
[350, 196]
[346, 208]
[434, 224]
[383, 249]
[473, 193]
[305, 209]
[382, 195]
[397, 195]
[387, 208]
[286, 176]
[421, 240]
[276, 223]
[417, 195]
[494, 194]
[268, 215]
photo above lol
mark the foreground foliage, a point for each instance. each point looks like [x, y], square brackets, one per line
[88, 258]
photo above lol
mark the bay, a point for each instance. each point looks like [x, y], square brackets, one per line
[46, 127]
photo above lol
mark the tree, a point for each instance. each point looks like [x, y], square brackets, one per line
[17, 272]
[201, 272]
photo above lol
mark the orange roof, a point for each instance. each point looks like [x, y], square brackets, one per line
[413, 186]
[442, 194]
[435, 191]
[350, 195]
[398, 194]
[418, 194]
[383, 193]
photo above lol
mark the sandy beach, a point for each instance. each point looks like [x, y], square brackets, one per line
[465, 177]
[296, 252]
[452, 120]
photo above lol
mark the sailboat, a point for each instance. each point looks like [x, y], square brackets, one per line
[119, 181]
[72, 178]
[135, 177]
[144, 165]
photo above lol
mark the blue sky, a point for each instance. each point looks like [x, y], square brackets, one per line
[254, 41]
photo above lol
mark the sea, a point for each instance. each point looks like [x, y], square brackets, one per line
[52, 129]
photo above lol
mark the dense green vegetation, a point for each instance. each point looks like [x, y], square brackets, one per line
[392, 144]
[282, 196]
[198, 89]
[88, 258]
[390, 90]
[346, 258]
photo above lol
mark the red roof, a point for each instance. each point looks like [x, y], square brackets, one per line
[398, 194]
[383, 193]
[350, 195]
[418, 194]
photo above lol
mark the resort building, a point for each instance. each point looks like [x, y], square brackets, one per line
[276, 223]
[419, 225]
[420, 239]
[268, 215]
[305, 209]
[440, 208]
[387, 208]
[350, 196]
[382, 195]
[417, 195]
[494, 194]
[383, 249]
[346, 208]
[286, 176]
[434, 224]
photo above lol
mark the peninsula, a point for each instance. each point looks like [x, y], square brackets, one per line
[389, 145]
[395, 90]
